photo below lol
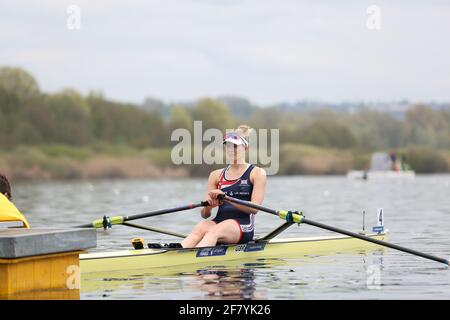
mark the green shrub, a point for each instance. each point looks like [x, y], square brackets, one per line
[424, 159]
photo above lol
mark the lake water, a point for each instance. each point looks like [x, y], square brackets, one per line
[417, 213]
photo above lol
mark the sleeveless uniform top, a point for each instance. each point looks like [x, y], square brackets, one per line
[242, 189]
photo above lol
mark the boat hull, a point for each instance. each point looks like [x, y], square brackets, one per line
[276, 248]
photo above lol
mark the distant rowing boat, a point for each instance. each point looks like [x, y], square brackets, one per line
[380, 175]
[382, 166]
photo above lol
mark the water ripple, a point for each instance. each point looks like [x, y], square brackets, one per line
[417, 213]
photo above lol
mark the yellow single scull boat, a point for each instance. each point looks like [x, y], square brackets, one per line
[263, 248]
[274, 248]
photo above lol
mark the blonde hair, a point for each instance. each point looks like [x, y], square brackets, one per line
[244, 131]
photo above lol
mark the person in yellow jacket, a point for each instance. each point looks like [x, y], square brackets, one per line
[8, 211]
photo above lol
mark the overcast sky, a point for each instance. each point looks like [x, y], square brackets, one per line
[266, 51]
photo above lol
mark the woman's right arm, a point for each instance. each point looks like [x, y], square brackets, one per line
[212, 184]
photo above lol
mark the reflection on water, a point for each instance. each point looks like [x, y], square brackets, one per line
[232, 281]
[228, 284]
[295, 278]
[417, 213]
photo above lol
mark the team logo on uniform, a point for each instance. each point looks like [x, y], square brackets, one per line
[244, 181]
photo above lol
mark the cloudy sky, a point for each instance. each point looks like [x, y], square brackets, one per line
[267, 51]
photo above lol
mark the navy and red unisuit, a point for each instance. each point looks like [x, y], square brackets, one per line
[242, 189]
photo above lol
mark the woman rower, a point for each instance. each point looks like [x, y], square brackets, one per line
[233, 223]
[9, 214]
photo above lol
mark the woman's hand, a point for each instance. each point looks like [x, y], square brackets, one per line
[213, 202]
[213, 197]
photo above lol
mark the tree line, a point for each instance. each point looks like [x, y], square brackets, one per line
[29, 116]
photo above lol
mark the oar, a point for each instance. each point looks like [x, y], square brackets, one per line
[170, 233]
[296, 217]
[107, 222]
[272, 234]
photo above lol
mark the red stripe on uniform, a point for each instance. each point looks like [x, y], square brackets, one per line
[240, 230]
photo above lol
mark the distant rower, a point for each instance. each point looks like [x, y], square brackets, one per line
[10, 216]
